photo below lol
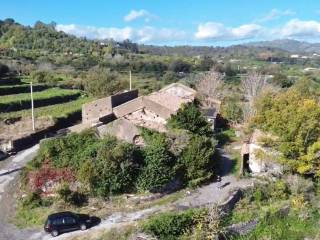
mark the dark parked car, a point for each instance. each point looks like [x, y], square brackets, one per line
[65, 222]
[3, 155]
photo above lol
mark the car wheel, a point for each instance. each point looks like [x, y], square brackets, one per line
[83, 227]
[54, 233]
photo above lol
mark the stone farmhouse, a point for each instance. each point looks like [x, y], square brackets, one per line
[121, 114]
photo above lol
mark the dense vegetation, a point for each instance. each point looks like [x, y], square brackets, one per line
[84, 166]
[108, 166]
[293, 116]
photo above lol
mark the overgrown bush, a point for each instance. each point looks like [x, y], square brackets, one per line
[104, 166]
[293, 116]
[45, 77]
[101, 82]
[167, 226]
[232, 111]
[71, 197]
[198, 159]
[32, 200]
[158, 163]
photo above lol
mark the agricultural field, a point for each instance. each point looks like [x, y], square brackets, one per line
[53, 106]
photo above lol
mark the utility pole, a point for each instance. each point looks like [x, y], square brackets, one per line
[130, 80]
[32, 107]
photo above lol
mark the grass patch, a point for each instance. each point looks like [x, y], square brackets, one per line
[22, 88]
[292, 227]
[21, 101]
[56, 111]
[226, 136]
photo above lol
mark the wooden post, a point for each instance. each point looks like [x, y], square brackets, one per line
[32, 107]
[130, 80]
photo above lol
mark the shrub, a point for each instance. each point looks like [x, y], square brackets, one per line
[190, 118]
[70, 197]
[158, 164]
[232, 111]
[197, 159]
[45, 77]
[32, 200]
[65, 193]
[102, 82]
[116, 168]
[103, 166]
[168, 226]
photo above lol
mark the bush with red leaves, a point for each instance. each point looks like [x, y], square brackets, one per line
[47, 176]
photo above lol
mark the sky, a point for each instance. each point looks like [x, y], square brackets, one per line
[174, 22]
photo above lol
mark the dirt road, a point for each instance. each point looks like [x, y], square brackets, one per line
[9, 173]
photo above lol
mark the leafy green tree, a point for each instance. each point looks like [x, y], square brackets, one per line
[116, 167]
[198, 160]
[281, 80]
[180, 66]
[294, 118]
[102, 82]
[232, 110]
[158, 164]
[189, 117]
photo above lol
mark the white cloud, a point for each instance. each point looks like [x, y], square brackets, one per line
[209, 31]
[296, 28]
[142, 35]
[276, 14]
[218, 31]
[135, 14]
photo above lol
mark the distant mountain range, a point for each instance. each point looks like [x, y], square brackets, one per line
[289, 45]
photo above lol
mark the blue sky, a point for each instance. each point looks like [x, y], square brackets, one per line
[175, 22]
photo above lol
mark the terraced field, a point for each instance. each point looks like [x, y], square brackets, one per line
[55, 111]
[53, 107]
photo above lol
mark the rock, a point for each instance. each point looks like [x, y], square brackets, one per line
[242, 228]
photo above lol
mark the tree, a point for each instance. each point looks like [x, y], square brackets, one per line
[232, 110]
[190, 118]
[252, 86]
[281, 80]
[197, 159]
[180, 66]
[294, 118]
[101, 82]
[158, 164]
[209, 85]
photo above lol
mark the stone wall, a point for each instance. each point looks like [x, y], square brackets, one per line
[122, 98]
[92, 111]
[153, 106]
[128, 107]
[100, 108]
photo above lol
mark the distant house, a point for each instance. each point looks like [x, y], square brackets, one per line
[294, 56]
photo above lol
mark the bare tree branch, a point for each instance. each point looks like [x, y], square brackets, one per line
[209, 85]
[252, 86]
